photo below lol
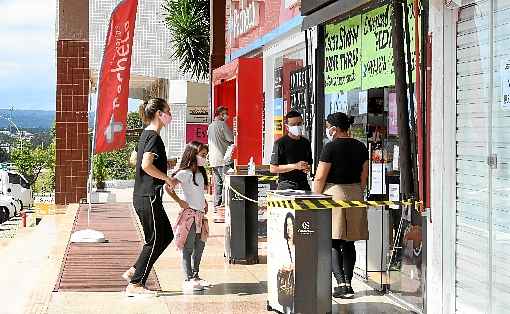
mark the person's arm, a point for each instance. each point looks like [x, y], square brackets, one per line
[170, 191]
[321, 176]
[277, 165]
[182, 203]
[149, 168]
[364, 176]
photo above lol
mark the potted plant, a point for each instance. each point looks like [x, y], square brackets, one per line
[100, 171]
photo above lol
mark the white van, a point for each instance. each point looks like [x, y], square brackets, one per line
[8, 208]
[15, 185]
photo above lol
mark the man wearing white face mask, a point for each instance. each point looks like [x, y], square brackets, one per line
[292, 155]
[220, 137]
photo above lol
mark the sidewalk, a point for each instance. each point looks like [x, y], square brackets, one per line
[34, 259]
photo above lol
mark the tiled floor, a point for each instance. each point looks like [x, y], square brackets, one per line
[236, 288]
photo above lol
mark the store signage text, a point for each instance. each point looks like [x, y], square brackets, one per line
[343, 48]
[244, 19]
[359, 51]
[377, 54]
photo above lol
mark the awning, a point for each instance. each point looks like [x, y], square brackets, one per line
[330, 12]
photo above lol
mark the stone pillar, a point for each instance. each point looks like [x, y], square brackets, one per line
[71, 169]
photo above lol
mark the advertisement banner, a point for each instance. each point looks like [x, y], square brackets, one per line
[392, 114]
[377, 56]
[281, 259]
[197, 113]
[359, 51]
[113, 86]
[278, 118]
[342, 69]
[196, 132]
[298, 90]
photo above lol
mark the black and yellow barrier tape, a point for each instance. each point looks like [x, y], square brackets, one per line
[268, 178]
[319, 204]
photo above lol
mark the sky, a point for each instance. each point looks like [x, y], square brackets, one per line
[27, 54]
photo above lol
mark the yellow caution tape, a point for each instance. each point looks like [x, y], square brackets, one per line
[268, 178]
[319, 204]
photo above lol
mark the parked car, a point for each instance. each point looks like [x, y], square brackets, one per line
[8, 208]
[15, 185]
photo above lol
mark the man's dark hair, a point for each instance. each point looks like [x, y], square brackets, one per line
[292, 114]
[340, 120]
[220, 110]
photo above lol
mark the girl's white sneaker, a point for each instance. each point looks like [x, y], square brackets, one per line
[189, 286]
[202, 282]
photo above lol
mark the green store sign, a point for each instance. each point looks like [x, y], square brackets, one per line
[359, 51]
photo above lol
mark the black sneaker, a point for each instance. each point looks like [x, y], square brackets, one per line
[340, 291]
[349, 292]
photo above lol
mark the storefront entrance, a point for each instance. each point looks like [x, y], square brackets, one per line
[358, 78]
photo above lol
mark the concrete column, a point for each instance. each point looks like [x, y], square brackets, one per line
[72, 159]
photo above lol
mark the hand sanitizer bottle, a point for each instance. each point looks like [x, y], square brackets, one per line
[251, 167]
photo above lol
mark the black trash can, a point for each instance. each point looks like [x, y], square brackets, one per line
[298, 253]
[241, 219]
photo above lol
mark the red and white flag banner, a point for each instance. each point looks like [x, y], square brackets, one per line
[113, 87]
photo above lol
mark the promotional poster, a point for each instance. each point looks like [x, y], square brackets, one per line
[281, 259]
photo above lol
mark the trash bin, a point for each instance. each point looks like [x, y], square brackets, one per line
[298, 253]
[28, 218]
[241, 219]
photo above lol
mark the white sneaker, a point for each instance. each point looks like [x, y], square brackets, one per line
[128, 275]
[202, 282]
[189, 286]
[135, 290]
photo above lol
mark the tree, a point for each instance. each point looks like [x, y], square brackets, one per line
[188, 23]
[115, 164]
[30, 161]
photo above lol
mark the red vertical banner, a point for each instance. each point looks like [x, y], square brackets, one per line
[112, 100]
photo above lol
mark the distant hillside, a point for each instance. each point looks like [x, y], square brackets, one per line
[25, 119]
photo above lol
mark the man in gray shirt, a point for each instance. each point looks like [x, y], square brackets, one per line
[220, 137]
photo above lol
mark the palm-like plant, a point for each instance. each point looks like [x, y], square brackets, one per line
[188, 23]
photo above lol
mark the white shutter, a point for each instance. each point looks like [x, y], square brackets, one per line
[483, 216]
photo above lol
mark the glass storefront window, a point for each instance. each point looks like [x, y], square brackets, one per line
[285, 90]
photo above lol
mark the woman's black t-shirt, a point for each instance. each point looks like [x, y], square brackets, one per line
[347, 157]
[146, 185]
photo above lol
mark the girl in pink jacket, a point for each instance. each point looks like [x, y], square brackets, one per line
[191, 228]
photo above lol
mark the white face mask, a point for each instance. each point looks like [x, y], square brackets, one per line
[296, 130]
[330, 134]
[201, 161]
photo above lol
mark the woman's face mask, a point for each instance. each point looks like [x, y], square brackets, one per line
[330, 133]
[201, 161]
[166, 118]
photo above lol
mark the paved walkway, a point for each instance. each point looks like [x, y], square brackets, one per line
[34, 256]
[96, 267]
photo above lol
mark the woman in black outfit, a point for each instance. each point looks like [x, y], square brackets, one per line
[151, 176]
[343, 173]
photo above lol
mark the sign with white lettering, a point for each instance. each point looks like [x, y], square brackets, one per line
[242, 19]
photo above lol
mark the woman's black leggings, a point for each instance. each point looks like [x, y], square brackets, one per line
[343, 258]
[157, 231]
